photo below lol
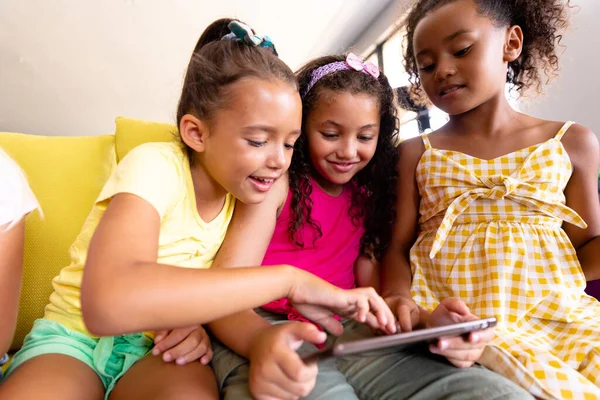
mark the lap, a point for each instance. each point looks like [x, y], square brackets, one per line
[413, 372]
[331, 383]
[233, 371]
[407, 372]
[53, 376]
[108, 358]
[152, 378]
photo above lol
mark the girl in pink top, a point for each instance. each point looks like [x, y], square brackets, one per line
[338, 210]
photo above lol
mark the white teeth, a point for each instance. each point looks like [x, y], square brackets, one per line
[263, 180]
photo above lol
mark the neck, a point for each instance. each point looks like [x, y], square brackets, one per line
[332, 189]
[491, 118]
[210, 195]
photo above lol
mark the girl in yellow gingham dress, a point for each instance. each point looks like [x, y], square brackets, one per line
[491, 235]
[499, 228]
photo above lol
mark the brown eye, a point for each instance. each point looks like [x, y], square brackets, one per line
[463, 52]
[256, 144]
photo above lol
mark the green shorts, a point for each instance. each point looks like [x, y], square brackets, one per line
[110, 357]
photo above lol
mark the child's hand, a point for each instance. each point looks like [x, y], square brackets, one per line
[183, 345]
[406, 310]
[319, 301]
[459, 351]
[276, 370]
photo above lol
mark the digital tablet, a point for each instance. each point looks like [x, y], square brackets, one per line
[382, 342]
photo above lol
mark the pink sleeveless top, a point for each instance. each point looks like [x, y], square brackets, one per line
[331, 257]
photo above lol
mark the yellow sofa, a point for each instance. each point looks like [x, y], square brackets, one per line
[66, 174]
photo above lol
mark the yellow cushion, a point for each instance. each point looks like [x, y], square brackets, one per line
[130, 133]
[66, 175]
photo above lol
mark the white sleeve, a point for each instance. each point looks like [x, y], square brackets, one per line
[16, 197]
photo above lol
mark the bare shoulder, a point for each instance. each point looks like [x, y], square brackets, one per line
[581, 145]
[578, 140]
[410, 152]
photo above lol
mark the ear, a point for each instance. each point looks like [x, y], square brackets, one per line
[193, 132]
[514, 43]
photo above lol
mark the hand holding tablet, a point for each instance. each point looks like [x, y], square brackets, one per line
[390, 341]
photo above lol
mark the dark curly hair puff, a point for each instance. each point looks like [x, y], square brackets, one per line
[542, 22]
[374, 186]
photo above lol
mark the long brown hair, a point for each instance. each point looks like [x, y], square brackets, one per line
[217, 64]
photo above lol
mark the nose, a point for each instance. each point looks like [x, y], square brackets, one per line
[445, 69]
[277, 159]
[347, 150]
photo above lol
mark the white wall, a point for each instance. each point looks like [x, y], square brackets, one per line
[69, 67]
[575, 93]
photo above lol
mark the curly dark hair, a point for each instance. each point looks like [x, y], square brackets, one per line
[541, 22]
[374, 187]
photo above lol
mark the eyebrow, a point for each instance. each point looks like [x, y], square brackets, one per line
[447, 39]
[265, 128]
[367, 126]
[331, 122]
[269, 129]
[456, 34]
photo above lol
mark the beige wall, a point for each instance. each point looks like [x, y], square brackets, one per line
[575, 93]
[69, 67]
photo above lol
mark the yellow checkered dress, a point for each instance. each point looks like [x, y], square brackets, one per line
[491, 235]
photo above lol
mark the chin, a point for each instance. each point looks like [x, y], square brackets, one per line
[343, 181]
[329, 176]
[456, 109]
[254, 198]
[247, 196]
[340, 180]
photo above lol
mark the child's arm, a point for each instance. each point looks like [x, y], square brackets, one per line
[125, 290]
[366, 272]
[11, 270]
[582, 196]
[396, 275]
[16, 201]
[258, 223]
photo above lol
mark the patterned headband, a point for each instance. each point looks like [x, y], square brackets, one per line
[241, 32]
[352, 62]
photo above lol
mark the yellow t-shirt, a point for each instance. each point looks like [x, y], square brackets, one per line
[160, 174]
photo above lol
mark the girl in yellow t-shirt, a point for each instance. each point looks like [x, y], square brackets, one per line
[151, 236]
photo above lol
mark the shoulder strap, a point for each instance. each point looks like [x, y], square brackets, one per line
[563, 130]
[426, 142]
